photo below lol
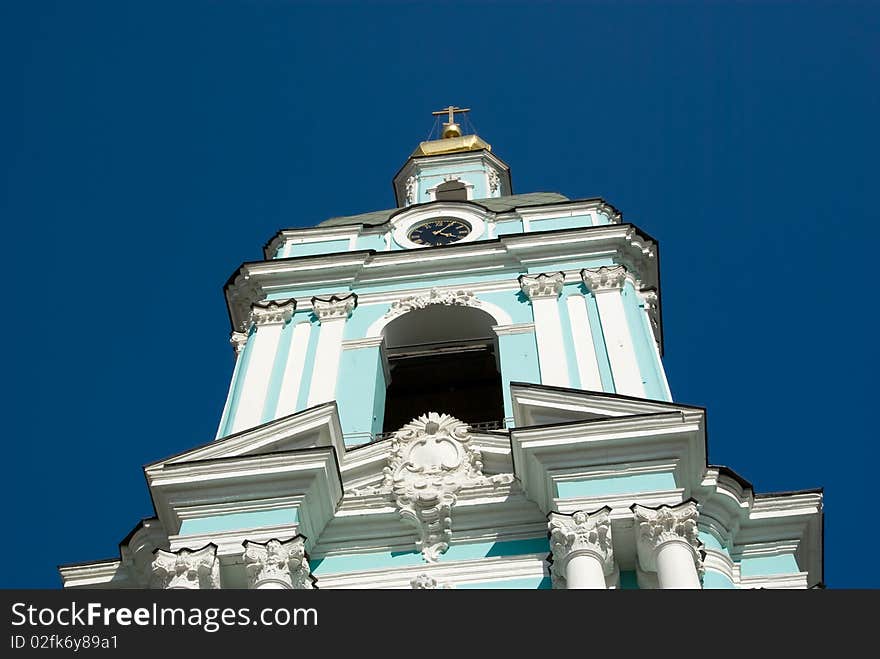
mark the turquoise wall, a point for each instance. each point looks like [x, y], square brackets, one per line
[319, 247]
[360, 394]
[574, 222]
[434, 175]
[234, 521]
[309, 365]
[591, 487]
[375, 241]
[342, 563]
[508, 227]
[713, 580]
[599, 342]
[282, 354]
[361, 318]
[519, 363]
[767, 565]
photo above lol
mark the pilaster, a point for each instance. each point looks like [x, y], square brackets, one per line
[606, 284]
[265, 323]
[332, 312]
[543, 291]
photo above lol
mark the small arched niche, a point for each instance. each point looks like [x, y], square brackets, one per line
[442, 359]
[451, 191]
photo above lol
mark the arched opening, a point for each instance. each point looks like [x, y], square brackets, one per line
[451, 191]
[443, 359]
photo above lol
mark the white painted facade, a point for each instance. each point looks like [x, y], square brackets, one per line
[587, 476]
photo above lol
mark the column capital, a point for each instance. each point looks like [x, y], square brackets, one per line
[581, 534]
[187, 569]
[279, 563]
[272, 312]
[544, 285]
[605, 278]
[425, 581]
[238, 341]
[334, 307]
[658, 526]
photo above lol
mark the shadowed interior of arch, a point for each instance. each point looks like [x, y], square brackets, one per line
[443, 359]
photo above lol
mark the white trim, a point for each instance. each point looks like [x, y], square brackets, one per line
[552, 360]
[582, 338]
[514, 328]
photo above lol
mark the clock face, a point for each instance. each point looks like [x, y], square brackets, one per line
[441, 231]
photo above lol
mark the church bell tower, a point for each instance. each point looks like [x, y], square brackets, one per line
[463, 391]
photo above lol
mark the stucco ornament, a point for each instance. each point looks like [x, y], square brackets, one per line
[431, 459]
[578, 534]
[494, 181]
[667, 524]
[424, 581]
[458, 298]
[281, 563]
[187, 569]
[411, 190]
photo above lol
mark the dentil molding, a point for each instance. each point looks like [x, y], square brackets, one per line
[187, 569]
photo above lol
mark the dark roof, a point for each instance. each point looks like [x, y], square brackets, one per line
[496, 204]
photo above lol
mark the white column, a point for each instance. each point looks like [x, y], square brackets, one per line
[668, 544]
[332, 312]
[584, 348]
[293, 369]
[268, 318]
[543, 290]
[186, 569]
[606, 284]
[582, 551]
[277, 565]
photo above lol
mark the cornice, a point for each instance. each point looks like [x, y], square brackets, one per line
[508, 255]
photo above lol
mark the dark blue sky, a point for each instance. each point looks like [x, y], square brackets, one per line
[147, 149]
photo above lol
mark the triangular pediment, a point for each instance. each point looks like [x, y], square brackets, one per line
[536, 405]
[311, 428]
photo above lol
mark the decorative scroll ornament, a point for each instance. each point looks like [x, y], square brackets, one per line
[424, 581]
[276, 562]
[606, 278]
[544, 285]
[187, 569]
[411, 190]
[272, 312]
[238, 341]
[449, 298]
[652, 308]
[335, 307]
[667, 524]
[431, 459]
[578, 534]
[494, 181]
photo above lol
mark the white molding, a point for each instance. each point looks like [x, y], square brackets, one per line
[294, 368]
[543, 290]
[514, 328]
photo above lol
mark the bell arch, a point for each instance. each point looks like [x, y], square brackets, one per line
[442, 358]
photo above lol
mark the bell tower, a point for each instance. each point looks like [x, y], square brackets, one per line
[454, 167]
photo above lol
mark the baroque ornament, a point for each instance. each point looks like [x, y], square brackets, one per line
[424, 581]
[667, 524]
[544, 285]
[411, 190]
[580, 533]
[494, 181]
[238, 341]
[458, 298]
[334, 307]
[272, 312]
[431, 459]
[605, 278]
[187, 569]
[275, 562]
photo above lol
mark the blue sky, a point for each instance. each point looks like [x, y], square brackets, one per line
[147, 149]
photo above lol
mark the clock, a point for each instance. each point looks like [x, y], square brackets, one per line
[439, 231]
